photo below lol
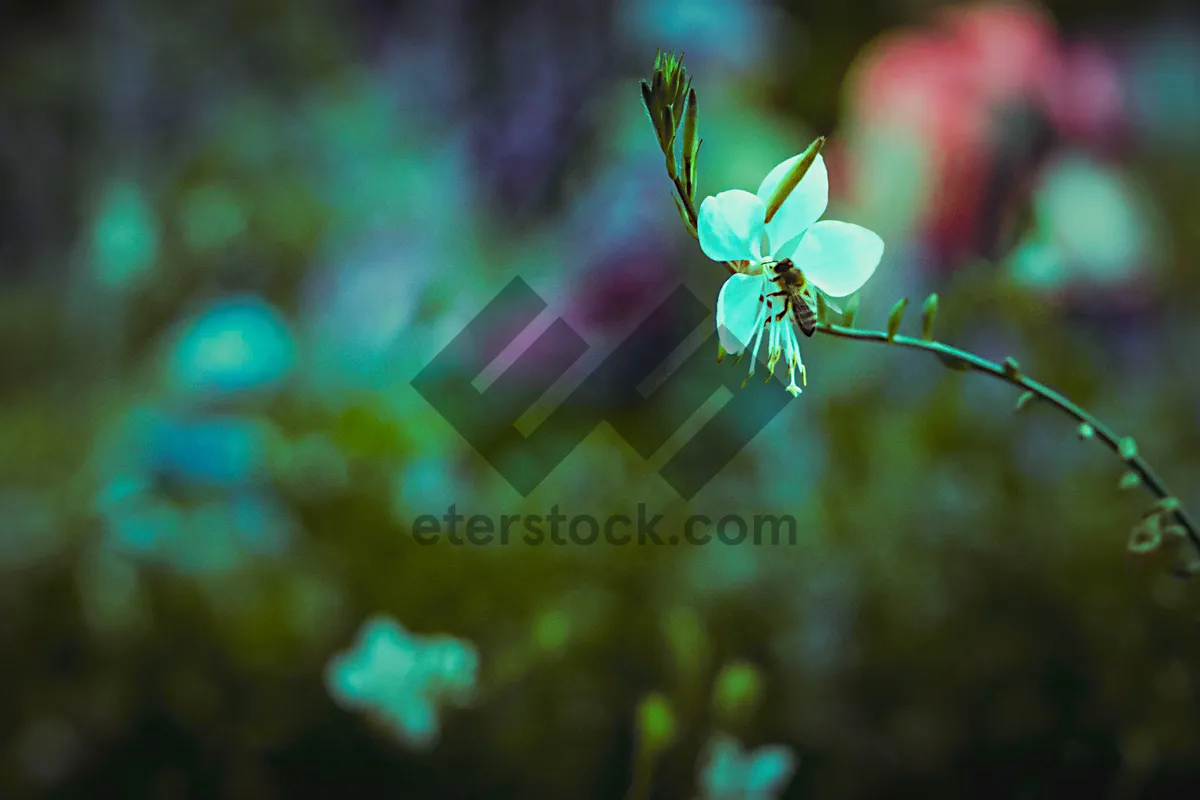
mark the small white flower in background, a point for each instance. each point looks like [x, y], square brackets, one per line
[1094, 232]
[836, 258]
[402, 678]
[732, 773]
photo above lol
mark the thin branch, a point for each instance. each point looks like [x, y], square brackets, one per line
[971, 361]
[693, 217]
[657, 95]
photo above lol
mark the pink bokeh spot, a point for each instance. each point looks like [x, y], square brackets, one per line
[946, 86]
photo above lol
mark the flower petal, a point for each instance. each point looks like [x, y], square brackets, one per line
[738, 310]
[731, 226]
[803, 206]
[838, 257]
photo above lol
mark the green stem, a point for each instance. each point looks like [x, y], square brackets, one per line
[958, 358]
[1136, 463]
[693, 217]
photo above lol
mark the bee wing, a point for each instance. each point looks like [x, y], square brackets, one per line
[834, 307]
[811, 293]
[804, 312]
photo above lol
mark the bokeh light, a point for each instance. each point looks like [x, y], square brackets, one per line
[232, 235]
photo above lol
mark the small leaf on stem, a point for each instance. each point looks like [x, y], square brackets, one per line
[1086, 431]
[954, 362]
[1130, 480]
[1174, 531]
[1025, 399]
[1146, 536]
[850, 312]
[897, 314]
[928, 316]
[1128, 448]
[687, 221]
[1012, 369]
[1167, 505]
[648, 101]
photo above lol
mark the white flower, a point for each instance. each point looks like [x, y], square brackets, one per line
[731, 772]
[402, 678]
[836, 258]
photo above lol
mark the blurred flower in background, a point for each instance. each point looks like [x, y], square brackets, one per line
[236, 347]
[1093, 239]
[712, 33]
[193, 492]
[945, 120]
[125, 238]
[403, 678]
[188, 481]
[229, 243]
[359, 310]
[731, 771]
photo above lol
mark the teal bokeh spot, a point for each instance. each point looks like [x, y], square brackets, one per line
[238, 345]
[402, 678]
[222, 451]
[731, 771]
[124, 236]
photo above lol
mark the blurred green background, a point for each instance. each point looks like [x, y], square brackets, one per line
[232, 233]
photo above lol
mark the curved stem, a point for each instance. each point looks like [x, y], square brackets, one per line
[694, 218]
[951, 356]
[971, 361]
[689, 208]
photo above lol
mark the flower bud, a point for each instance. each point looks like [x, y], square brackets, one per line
[690, 143]
[656, 723]
[792, 179]
[736, 691]
[928, 316]
[894, 318]
[850, 312]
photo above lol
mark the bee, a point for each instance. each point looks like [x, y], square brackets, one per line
[799, 296]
